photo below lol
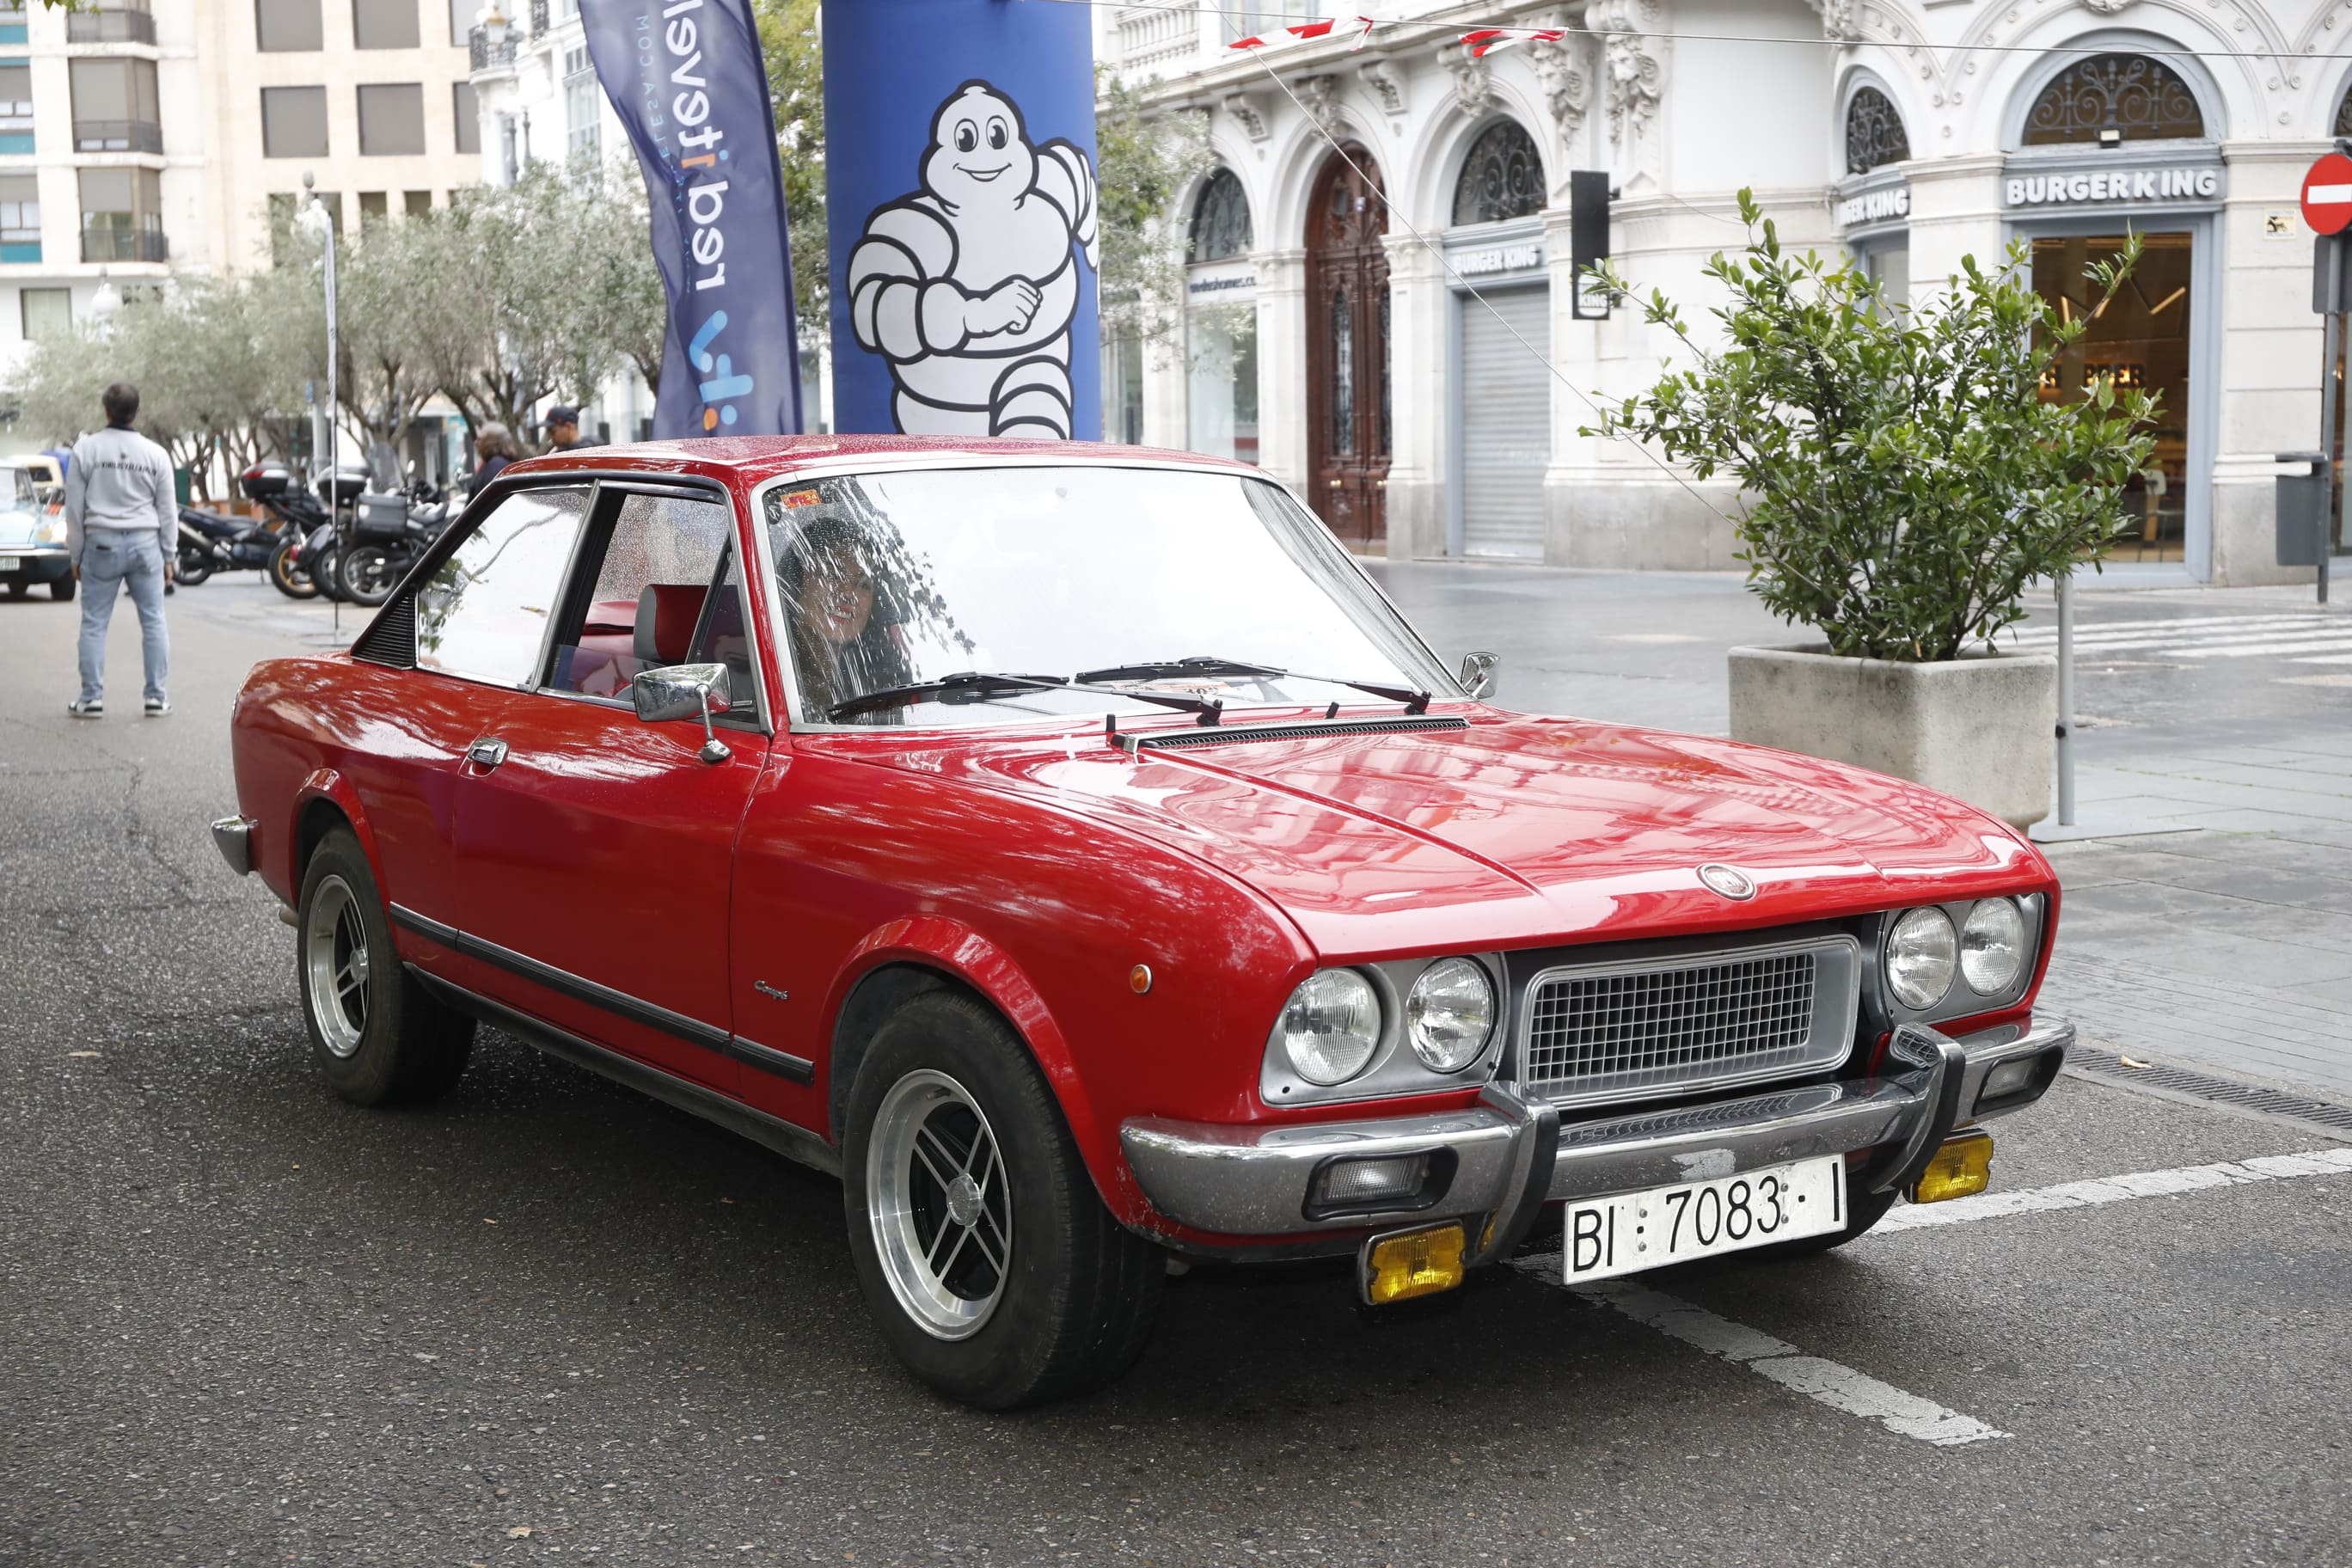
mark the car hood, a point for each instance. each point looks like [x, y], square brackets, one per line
[1512, 832]
[17, 529]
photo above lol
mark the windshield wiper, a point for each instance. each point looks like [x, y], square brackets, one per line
[980, 686]
[1209, 665]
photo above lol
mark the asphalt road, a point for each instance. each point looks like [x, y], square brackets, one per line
[242, 1322]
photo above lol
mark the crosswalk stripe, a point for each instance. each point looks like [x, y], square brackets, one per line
[2174, 623]
[2242, 650]
[2298, 627]
[2331, 658]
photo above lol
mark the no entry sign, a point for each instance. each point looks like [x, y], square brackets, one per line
[2327, 195]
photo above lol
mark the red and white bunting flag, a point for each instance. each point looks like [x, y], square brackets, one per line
[1308, 32]
[1486, 40]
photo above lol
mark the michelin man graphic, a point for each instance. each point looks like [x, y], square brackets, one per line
[968, 286]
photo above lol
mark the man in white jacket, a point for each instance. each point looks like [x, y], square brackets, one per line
[122, 528]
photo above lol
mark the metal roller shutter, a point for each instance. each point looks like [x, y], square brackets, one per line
[1506, 423]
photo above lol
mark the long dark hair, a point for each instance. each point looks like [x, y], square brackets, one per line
[834, 672]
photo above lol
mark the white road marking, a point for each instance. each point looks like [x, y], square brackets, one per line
[2116, 1189]
[1841, 1387]
[2331, 658]
[2313, 644]
[2171, 623]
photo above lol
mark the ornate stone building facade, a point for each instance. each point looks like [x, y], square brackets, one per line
[1394, 332]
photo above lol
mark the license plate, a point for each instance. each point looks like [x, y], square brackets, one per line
[1633, 1231]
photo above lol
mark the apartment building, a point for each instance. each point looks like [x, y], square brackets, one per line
[137, 139]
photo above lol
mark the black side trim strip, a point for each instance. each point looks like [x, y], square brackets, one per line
[1237, 734]
[796, 1144]
[767, 1058]
[693, 1031]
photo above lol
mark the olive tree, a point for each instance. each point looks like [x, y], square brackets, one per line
[1904, 477]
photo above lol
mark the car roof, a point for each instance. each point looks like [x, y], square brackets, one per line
[751, 459]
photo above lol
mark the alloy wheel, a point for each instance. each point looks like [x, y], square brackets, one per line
[940, 1203]
[335, 958]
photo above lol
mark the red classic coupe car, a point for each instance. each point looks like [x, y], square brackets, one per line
[1071, 847]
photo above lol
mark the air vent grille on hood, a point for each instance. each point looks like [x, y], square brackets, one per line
[1239, 735]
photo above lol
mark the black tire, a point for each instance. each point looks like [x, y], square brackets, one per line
[325, 567]
[62, 590]
[1074, 1305]
[381, 1038]
[19, 590]
[285, 576]
[1863, 1210]
[368, 572]
[193, 567]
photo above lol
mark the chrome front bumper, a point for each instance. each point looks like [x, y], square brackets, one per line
[1510, 1156]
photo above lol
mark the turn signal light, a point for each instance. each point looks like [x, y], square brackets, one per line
[1413, 1263]
[1962, 1168]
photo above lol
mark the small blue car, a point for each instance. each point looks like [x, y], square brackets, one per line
[32, 537]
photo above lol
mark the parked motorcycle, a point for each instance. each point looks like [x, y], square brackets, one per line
[210, 543]
[304, 564]
[390, 533]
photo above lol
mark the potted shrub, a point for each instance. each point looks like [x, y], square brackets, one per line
[1903, 481]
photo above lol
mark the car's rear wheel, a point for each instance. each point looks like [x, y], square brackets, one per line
[988, 1260]
[379, 1036]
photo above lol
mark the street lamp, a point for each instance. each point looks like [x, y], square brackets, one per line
[494, 24]
[104, 306]
[316, 223]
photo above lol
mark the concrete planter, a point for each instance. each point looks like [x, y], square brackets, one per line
[1981, 728]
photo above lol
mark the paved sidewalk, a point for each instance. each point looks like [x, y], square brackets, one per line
[2225, 713]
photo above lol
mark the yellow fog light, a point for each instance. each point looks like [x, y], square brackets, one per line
[1412, 1263]
[1962, 1167]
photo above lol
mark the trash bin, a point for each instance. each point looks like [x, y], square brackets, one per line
[2301, 509]
[183, 486]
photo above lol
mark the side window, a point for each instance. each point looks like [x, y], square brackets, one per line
[484, 615]
[659, 587]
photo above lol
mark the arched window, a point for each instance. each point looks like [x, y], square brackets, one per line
[2126, 97]
[2343, 116]
[1874, 132]
[1221, 219]
[1502, 178]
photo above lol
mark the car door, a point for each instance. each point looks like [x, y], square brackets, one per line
[598, 848]
[476, 627]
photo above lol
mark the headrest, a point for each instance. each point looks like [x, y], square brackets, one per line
[666, 613]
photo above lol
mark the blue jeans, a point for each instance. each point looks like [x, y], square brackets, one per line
[113, 557]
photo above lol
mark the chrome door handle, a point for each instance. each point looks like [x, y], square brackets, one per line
[486, 754]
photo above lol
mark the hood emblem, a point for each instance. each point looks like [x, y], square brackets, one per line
[1731, 881]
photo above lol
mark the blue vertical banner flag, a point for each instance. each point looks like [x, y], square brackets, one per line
[960, 185]
[685, 78]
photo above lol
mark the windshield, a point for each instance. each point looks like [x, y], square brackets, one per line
[895, 579]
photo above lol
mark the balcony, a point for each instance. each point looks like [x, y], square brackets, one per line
[1159, 37]
[117, 136]
[485, 56]
[110, 27]
[110, 242]
[537, 18]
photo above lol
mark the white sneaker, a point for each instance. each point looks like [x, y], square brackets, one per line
[86, 707]
[158, 706]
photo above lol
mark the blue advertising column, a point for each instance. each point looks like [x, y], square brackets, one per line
[959, 184]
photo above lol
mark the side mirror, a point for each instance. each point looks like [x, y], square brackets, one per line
[685, 691]
[1478, 673]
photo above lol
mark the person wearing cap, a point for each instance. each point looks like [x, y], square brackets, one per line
[562, 426]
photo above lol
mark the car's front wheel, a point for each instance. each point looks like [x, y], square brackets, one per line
[988, 1262]
[379, 1036]
[62, 590]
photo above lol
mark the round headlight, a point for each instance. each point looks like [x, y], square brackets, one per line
[1921, 956]
[1448, 1015]
[1992, 946]
[1332, 1026]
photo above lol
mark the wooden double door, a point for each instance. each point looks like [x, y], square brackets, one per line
[1348, 348]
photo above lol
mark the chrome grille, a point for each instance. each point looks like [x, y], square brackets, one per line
[1604, 1032]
